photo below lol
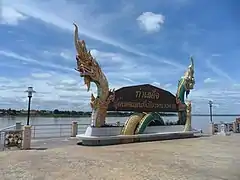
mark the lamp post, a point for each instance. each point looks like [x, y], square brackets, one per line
[210, 109]
[30, 92]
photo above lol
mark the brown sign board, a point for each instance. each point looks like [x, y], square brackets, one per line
[143, 98]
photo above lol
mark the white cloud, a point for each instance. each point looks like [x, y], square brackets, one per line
[10, 16]
[209, 80]
[157, 84]
[62, 87]
[56, 53]
[53, 90]
[56, 91]
[46, 12]
[164, 86]
[27, 60]
[114, 64]
[167, 85]
[62, 15]
[41, 75]
[65, 90]
[216, 55]
[106, 56]
[236, 86]
[150, 21]
[218, 71]
[128, 79]
[65, 55]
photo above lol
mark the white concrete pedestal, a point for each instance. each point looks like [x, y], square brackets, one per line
[26, 138]
[112, 135]
[74, 129]
[18, 125]
[224, 131]
[211, 129]
[235, 127]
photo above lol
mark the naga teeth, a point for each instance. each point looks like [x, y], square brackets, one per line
[87, 82]
[88, 86]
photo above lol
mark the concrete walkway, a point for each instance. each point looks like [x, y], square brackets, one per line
[207, 158]
[53, 143]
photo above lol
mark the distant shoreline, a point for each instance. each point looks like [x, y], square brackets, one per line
[60, 115]
[111, 115]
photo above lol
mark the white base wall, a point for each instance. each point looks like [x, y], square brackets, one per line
[114, 131]
[163, 129]
[103, 131]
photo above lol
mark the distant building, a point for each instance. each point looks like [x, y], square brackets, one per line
[32, 112]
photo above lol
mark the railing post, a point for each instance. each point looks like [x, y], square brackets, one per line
[211, 128]
[235, 127]
[228, 127]
[74, 129]
[26, 137]
[34, 132]
[60, 130]
[18, 125]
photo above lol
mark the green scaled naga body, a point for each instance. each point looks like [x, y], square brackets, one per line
[185, 84]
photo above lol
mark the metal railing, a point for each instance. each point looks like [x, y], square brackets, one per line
[8, 128]
[41, 131]
[217, 127]
[2, 134]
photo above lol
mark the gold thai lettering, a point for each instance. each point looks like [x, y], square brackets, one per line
[138, 94]
[144, 104]
[147, 95]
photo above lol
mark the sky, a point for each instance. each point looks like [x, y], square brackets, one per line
[135, 42]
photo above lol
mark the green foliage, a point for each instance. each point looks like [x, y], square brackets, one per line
[59, 113]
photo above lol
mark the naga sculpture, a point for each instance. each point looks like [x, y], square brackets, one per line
[188, 125]
[90, 70]
[137, 123]
[185, 84]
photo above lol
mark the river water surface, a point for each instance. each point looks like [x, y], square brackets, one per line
[198, 122]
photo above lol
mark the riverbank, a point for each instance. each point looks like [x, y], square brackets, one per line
[69, 116]
[109, 115]
[57, 116]
[77, 115]
[214, 158]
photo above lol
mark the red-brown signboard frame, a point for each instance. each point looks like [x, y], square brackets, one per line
[143, 98]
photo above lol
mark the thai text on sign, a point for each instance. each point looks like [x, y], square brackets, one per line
[147, 94]
[145, 104]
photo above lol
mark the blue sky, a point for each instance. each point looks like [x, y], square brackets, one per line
[135, 42]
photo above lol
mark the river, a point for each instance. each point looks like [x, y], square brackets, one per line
[198, 122]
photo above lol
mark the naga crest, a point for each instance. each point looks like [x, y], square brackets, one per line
[87, 65]
[189, 76]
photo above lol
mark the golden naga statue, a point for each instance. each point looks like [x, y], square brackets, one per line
[188, 125]
[189, 76]
[90, 70]
[185, 85]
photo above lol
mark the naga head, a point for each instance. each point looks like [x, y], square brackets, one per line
[189, 77]
[87, 66]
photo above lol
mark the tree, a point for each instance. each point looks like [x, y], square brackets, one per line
[56, 111]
